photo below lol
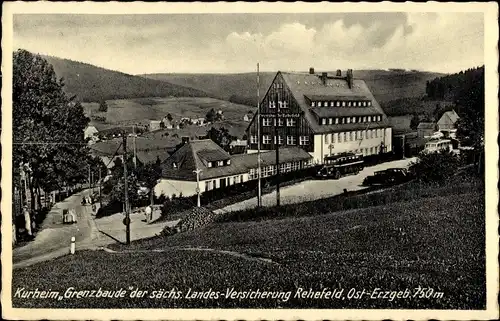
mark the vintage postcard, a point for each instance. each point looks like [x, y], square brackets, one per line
[241, 161]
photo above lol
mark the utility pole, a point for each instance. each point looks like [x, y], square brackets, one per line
[198, 171]
[135, 150]
[92, 183]
[259, 187]
[100, 183]
[126, 221]
[89, 177]
[276, 144]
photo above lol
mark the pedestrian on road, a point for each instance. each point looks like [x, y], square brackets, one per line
[27, 220]
[149, 214]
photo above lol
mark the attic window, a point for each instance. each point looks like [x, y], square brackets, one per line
[209, 164]
[369, 103]
[220, 163]
[313, 104]
[338, 104]
[174, 165]
[228, 162]
[319, 103]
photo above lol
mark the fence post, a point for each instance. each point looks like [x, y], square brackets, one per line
[72, 248]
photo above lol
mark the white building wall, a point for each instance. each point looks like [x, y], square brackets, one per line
[168, 187]
[322, 146]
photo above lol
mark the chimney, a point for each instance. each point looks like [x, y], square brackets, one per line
[311, 71]
[349, 77]
[324, 76]
[339, 73]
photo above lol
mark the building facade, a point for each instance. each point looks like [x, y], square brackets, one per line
[322, 114]
[217, 169]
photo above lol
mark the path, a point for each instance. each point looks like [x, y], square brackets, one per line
[316, 189]
[54, 238]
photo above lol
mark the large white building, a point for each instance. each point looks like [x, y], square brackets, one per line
[323, 114]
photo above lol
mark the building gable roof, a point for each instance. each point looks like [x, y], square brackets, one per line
[303, 85]
[426, 125]
[449, 117]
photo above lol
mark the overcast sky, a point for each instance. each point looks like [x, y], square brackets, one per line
[136, 44]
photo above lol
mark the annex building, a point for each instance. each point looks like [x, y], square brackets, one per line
[218, 169]
[322, 114]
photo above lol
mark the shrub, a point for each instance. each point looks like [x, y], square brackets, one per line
[435, 167]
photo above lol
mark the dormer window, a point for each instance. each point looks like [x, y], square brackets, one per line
[338, 104]
[228, 162]
[209, 164]
[323, 121]
[220, 163]
[325, 104]
[313, 104]
[319, 103]
[369, 103]
[331, 104]
[343, 104]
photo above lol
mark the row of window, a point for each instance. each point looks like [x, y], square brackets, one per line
[219, 163]
[290, 122]
[349, 120]
[284, 168]
[226, 181]
[290, 140]
[281, 104]
[365, 151]
[353, 135]
[341, 103]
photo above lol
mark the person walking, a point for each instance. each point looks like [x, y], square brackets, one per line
[27, 220]
[149, 214]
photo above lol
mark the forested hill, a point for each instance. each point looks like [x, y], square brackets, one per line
[452, 87]
[241, 88]
[92, 84]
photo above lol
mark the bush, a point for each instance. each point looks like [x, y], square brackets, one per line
[435, 167]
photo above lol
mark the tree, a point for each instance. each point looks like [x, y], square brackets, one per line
[210, 117]
[47, 125]
[149, 174]
[435, 167]
[103, 106]
[169, 117]
[415, 120]
[221, 137]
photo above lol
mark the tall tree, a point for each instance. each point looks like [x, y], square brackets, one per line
[103, 106]
[149, 174]
[221, 137]
[47, 125]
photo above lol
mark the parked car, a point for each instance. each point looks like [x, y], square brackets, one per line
[389, 176]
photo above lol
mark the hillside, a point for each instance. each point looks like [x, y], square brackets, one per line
[91, 83]
[241, 88]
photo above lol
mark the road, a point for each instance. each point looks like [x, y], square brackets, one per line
[317, 189]
[54, 238]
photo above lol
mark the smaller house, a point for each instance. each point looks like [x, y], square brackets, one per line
[238, 147]
[90, 131]
[247, 118]
[167, 123]
[200, 121]
[447, 123]
[154, 125]
[426, 129]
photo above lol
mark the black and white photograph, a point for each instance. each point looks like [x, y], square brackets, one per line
[243, 161]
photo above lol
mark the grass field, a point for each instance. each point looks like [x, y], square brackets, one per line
[436, 242]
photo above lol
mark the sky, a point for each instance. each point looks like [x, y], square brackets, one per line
[232, 43]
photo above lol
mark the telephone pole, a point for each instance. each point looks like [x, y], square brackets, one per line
[126, 221]
[276, 144]
[198, 171]
[259, 186]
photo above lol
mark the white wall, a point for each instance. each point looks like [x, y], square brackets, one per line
[168, 187]
[321, 148]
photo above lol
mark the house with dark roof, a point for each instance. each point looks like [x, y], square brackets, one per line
[447, 123]
[218, 169]
[322, 114]
[426, 129]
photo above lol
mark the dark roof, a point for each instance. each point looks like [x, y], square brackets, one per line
[336, 97]
[310, 85]
[425, 125]
[344, 111]
[151, 155]
[187, 161]
[211, 155]
[449, 117]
